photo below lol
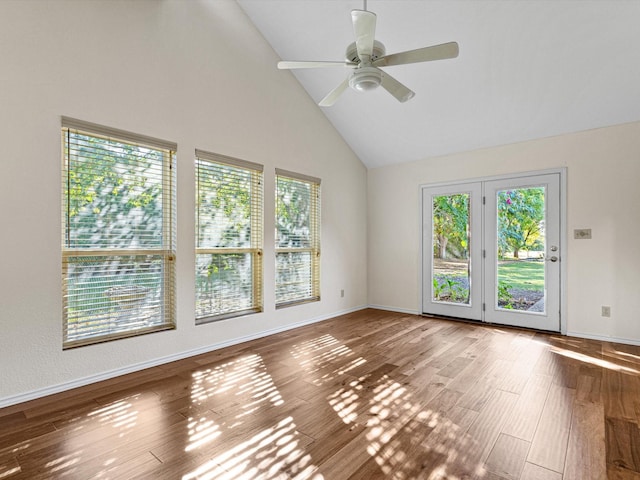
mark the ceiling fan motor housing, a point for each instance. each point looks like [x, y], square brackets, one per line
[351, 54]
[365, 77]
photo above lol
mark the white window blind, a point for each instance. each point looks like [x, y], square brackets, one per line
[228, 237]
[118, 229]
[297, 238]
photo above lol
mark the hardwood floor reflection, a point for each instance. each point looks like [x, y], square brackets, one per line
[372, 394]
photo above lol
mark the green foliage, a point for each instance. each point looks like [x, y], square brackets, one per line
[294, 205]
[450, 225]
[438, 289]
[224, 206]
[297, 226]
[223, 283]
[448, 288]
[220, 265]
[521, 214]
[520, 219]
[113, 200]
[505, 300]
[457, 292]
[113, 194]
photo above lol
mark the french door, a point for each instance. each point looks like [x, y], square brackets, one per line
[491, 251]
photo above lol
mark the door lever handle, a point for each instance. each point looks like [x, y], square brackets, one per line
[552, 259]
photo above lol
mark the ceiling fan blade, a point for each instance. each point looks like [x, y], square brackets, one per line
[364, 26]
[426, 54]
[395, 88]
[285, 65]
[333, 95]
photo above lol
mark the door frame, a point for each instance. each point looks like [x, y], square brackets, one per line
[473, 309]
[549, 318]
[562, 172]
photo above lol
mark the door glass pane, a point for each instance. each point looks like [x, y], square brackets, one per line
[451, 262]
[521, 249]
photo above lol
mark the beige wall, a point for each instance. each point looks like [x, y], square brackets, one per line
[603, 170]
[193, 72]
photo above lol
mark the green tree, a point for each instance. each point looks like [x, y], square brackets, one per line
[225, 200]
[117, 204]
[297, 228]
[224, 206]
[113, 194]
[293, 213]
[520, 219]
[450, 224]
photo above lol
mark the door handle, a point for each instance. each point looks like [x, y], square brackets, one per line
[552, 259]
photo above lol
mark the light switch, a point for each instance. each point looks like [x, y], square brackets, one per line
[582, 234]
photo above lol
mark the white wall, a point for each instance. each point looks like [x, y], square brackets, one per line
[603, 171]
[195, 72]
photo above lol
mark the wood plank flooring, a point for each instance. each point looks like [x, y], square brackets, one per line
[367, 395]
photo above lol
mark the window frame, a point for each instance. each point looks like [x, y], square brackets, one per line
[255, 250]
[314, 238]
[166, 252]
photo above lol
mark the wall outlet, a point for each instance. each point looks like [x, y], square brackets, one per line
[342, 293]
[606, 311]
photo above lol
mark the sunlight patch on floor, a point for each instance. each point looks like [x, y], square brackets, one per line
[11, 471]
[201, 432]
[268, 454]
[245, 384]
[345, 402]
[592, 360]
[325, 354]
[119, 415]
[245, 375]
[632, 358]
[63, 462]
[395, 423]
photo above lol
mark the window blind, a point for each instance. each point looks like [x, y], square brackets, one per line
[118, 245]
[229, 216]
[297, 238]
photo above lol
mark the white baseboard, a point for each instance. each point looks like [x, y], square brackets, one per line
[81, 382]
[602, 338]
[395, 309]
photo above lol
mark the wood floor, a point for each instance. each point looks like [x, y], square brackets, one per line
[367, 395]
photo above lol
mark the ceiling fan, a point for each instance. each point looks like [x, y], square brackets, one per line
[366, 55]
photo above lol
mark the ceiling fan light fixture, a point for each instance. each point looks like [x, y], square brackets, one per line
[364, 79]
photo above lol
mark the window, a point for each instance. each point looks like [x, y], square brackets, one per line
[228, 237]
[297, 238]
[118, 229]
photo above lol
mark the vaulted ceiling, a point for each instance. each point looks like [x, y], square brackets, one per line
[527, 69]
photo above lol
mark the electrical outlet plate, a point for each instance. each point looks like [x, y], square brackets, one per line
[606, 311]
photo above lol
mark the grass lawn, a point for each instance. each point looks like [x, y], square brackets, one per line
[518, 274]
[523, 274]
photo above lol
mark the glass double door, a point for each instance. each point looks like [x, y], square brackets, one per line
[491, 251]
